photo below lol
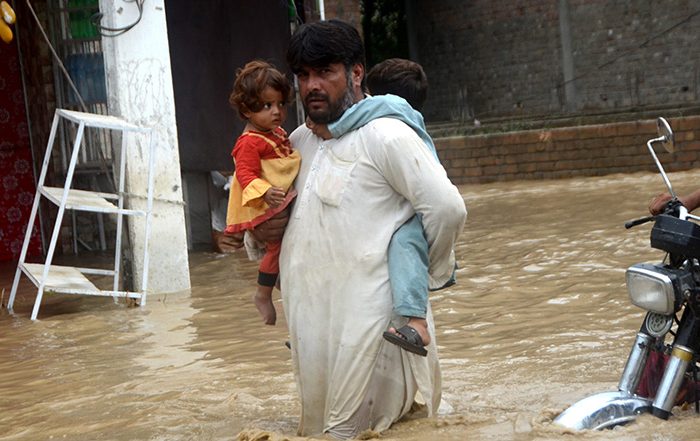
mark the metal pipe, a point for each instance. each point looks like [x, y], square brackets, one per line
[636, 362]
[671, 381]
[658, 164]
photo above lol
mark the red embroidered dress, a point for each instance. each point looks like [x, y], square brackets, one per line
[262, 160]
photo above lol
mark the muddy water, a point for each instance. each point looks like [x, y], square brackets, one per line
[539, 319]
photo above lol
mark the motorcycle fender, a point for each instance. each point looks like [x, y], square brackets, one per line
[603, 410]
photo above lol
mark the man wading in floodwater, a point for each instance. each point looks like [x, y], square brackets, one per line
[353, 194]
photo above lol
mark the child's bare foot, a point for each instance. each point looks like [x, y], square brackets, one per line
[420, 325]
[263, 301]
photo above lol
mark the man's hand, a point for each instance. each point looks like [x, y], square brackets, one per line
[320, 130]
[690, 201]
[658, 203]
[226, 242]
[272, 229]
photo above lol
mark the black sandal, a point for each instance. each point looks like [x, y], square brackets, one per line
[407, 338]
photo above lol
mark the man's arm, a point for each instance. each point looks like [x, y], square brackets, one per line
[272, 229]
[690, 201]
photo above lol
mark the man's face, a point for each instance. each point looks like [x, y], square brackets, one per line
[328, 91]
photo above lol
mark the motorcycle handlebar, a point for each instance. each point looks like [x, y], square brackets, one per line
[635, 222]
[672, 208]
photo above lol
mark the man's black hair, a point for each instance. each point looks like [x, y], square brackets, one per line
[322, 43]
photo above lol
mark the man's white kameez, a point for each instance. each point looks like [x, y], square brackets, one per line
[354, 192]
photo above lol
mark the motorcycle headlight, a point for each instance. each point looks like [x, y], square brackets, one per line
[650, 289]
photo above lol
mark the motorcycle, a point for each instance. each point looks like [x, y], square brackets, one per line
[665, 290]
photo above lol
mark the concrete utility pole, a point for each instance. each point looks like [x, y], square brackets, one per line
[140, 90]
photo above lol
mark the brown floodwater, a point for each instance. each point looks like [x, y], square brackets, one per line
[539, 319]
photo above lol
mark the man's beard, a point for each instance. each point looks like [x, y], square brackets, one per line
[334, 110]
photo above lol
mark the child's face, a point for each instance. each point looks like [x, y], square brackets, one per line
[273, 113]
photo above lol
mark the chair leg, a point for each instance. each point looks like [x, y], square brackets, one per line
[37, 302]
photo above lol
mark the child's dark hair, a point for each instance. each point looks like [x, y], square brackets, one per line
[397, 76]
[251, 80]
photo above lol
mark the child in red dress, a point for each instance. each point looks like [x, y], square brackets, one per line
[265, 167]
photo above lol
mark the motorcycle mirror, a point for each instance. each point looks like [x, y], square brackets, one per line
[664, 130]
[666, 138]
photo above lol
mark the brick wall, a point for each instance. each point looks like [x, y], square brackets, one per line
[501, 62]
[38, 72]
[566, 152]
[40, 96]
[347, 10]
[495, 58]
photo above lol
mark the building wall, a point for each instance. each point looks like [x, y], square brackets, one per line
[17, 183]
[213, 41]
[496, 58]
[346, 10]
[38, 74]
[501, 62]
[40, 99]
[40, 71]
[490, 59]
[591, 150]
